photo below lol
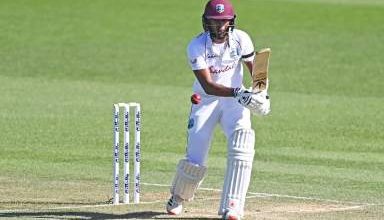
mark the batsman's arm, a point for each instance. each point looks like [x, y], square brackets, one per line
[209, 86]
[249, 65]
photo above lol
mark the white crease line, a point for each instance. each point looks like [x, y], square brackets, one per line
[308, 198]
[263, 195]
[313, 210]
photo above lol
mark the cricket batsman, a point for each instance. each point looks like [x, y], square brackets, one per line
[216, 57]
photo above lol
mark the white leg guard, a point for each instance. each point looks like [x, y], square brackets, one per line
[187, 179]
[239, 166]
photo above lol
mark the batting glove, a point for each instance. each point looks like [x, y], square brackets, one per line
[258, 103]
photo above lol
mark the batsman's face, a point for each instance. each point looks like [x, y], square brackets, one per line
[219, 29]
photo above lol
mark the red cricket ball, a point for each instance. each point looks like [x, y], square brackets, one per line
[195, 99]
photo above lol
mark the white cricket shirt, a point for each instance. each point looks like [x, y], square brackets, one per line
[222, 60]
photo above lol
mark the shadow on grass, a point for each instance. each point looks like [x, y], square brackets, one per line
[80, 215]
[25, 203]
[93, 215]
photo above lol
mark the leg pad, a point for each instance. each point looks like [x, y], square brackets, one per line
[187, 179]
[239, 166]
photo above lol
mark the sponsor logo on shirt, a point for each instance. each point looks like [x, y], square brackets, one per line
[191, 122]
[226, 68]
[210, 56]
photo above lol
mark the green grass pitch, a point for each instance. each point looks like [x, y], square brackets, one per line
[319, 154]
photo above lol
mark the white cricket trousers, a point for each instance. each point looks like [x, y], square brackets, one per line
[204, 117]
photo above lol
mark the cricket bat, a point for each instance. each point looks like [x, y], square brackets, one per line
[260, 70]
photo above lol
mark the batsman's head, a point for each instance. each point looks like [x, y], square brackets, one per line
[219, 19]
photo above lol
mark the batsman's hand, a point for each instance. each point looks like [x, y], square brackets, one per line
[258, 103]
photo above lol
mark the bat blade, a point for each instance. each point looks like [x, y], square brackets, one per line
[260, 70]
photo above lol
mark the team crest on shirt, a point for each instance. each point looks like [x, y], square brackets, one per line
[220, 8]
[235, 53]
[193, 61]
